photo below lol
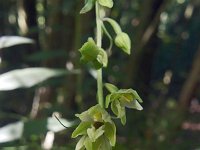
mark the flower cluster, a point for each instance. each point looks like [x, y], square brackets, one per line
[97, 129]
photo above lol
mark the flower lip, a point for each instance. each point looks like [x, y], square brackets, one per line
[98, 124]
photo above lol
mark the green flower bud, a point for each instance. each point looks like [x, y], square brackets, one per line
[123, 41]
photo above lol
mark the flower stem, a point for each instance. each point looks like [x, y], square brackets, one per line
[99, 43]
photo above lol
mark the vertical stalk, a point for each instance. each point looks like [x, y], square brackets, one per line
[99, 43]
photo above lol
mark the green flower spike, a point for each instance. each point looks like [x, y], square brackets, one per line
[120, 99]
[97, 129]
[92, 53]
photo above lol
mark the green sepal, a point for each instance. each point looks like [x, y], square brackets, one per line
[123, 41]
[106, 3]
[81, 129]
[90, 52]
[108, 100]
[80, 144]
[89, 4]
[88, 144]
[110, 87]
[110, 133]
[105, 144]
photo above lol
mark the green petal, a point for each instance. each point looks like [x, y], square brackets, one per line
[88, 144]
[84, 117]
[94, 134]
[108, 100]
[81, 129]
[134, 104]
[123, 119]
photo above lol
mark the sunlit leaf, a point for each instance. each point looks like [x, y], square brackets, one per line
[8, 41]
[25, 78]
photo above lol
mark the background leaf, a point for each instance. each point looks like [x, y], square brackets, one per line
[8, 41]
[25, 78]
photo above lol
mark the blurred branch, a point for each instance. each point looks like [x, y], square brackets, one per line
[191, 82]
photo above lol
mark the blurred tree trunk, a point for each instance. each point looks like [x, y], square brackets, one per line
[191, 83]
[145, 35]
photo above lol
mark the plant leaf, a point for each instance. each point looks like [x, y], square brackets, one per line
[106, 3]
[8, 41]
[89, 4]
[26, 78]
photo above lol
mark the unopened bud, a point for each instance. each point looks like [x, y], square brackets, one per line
[123, 41]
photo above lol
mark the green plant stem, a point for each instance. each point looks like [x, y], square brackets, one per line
[99, 43]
